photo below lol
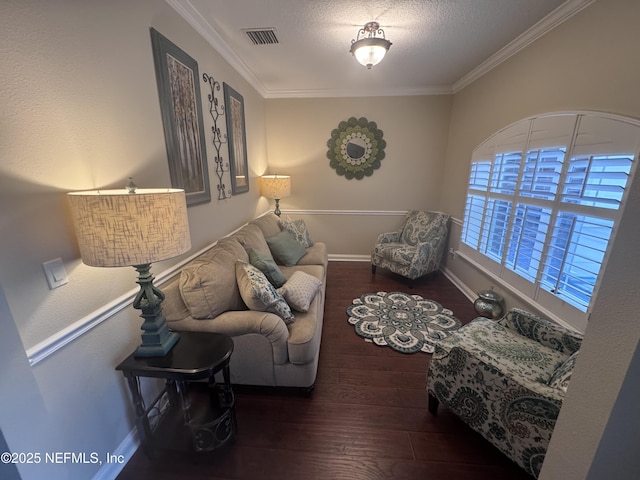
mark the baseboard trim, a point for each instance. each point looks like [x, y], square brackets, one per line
[126, 450]
[337, 257]
[459, 284]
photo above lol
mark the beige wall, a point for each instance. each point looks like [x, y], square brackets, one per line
[80, 110]
[588, 63]
[415, 129]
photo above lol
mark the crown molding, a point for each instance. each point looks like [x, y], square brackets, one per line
[544, 26]
[360, 92]
[188, 12]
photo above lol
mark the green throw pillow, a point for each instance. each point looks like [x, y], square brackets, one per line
[285, 248]
[267, 265]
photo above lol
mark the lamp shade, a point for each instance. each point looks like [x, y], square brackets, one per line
[275, 186]
[116, 228]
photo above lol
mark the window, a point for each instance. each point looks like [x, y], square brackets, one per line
[543, 200]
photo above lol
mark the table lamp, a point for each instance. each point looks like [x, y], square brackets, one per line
[135, 227]
[276, 187]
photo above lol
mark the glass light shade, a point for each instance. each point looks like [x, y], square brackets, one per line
[116, 228]
[370, 51]
[275, 186]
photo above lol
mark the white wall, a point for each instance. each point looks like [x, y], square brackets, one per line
[587, 63]
[80, 110]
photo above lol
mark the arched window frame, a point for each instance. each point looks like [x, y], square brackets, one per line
[544, 200]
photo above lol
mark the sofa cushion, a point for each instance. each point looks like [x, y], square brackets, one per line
[285, 248]
[316, 255]
[506, 350]
[251, 238]
[299, 230]
[208, 284]
[300, 290]
[258, 293]
[268, 224]
[173, 307]
[267, 265]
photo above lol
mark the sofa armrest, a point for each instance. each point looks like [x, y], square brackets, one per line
[541, 330]
[241, 322]
[389, 237]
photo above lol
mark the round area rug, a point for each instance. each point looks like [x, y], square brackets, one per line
[406, 323]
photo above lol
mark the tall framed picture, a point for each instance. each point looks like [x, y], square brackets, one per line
[180, 104]
[237, 139]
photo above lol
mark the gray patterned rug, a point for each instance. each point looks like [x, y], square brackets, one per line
[406, 323]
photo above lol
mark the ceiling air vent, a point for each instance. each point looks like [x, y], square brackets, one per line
[262, 36]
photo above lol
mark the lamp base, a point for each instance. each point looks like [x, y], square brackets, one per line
[277, 210]
[157, 343]
[157, 339]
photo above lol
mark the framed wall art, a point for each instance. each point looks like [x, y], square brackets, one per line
[237, 140]
[179, 92]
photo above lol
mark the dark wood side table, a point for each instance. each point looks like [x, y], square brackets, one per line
[196, 357]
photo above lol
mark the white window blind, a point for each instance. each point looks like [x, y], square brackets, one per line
[543, 200]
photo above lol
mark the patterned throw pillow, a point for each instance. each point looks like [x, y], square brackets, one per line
[300, 290]
[258, 294]
[299, 231]
[562, 375]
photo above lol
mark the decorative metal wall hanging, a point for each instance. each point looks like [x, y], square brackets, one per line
[356, 148]
[237, 139]
[179, 92]
[216, 110]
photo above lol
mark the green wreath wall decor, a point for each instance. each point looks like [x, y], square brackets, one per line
[356, 148]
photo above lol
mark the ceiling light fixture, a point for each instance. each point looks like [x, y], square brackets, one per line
[370, 46]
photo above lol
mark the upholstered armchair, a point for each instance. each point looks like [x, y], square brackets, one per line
[507, 380]
[416, 249]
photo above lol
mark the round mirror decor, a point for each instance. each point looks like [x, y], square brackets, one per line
[356, 148]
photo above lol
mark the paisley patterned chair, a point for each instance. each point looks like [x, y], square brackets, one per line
[416, 249]
[507, 380]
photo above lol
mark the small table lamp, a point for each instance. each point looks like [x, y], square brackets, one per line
[276, 187]
[117, 228]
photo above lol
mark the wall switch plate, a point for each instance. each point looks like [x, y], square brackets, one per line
[55, 272]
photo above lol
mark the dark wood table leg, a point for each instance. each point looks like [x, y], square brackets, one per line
[142, 421]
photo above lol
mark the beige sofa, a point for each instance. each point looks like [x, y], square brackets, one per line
[210, 294]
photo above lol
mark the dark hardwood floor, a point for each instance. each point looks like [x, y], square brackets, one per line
[367, 418]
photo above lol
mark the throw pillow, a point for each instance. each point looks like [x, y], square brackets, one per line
[267, 265]
[285, 248]
[258, 294]
[208, 284]
[562, 375]
[300, 290]
[299, 230]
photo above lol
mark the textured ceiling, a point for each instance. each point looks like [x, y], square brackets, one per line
[438, 45]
